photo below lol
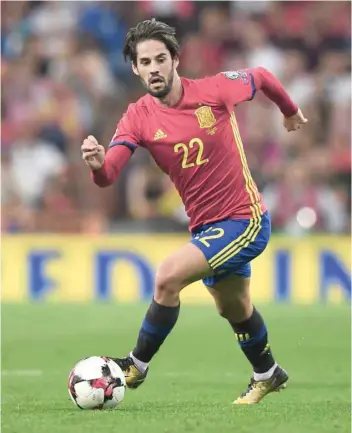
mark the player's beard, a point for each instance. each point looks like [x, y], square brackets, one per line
[161, 93]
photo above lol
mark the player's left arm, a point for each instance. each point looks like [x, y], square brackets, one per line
[238, 86]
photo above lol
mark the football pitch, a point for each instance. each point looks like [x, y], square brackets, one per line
[192, 381]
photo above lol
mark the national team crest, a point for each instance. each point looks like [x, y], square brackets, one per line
[205, 117]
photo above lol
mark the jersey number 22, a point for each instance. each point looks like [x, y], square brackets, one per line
[186, 163]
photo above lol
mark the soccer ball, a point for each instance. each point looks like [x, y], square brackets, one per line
[96, 383]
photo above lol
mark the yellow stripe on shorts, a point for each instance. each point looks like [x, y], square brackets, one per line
[237, 245]
[233, 243]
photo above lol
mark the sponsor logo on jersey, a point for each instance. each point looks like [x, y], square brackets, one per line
[212, 131]
[159, 135]
[205, 116]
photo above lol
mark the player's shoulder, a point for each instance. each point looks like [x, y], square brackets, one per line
[205, 81]
[200, 83]
[216, 79]
[142, 107]
[205, 88]
[134, 114]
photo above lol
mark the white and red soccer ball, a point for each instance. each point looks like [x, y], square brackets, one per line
[96, 383]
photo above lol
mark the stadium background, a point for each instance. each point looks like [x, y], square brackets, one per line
[63, 78]
[77, 261]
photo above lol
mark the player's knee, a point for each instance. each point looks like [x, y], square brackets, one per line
[225, 311]
[166, 280]
[235, 310]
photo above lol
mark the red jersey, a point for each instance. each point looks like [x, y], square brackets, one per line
[198, 144]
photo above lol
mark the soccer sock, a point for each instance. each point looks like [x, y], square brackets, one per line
[156, 326]
[142, 366]
[252, 337]
[265, 376]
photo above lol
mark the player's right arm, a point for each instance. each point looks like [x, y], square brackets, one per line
[107, 166]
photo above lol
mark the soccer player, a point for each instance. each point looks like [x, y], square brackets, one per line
[190, 129]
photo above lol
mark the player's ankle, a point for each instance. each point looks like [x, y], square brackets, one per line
[266, 375]
[142, 366]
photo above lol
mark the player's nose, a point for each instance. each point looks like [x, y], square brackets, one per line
[155, 68]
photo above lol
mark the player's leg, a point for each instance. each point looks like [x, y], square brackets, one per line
[182, 268]
[230, 246]
[179, 270]
[232, 299]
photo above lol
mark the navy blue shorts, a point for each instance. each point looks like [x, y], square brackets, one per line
[230, 245]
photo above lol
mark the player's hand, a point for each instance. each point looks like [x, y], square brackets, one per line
[295, 122]
[93, 153]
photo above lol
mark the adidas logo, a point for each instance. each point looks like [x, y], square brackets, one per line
[159, 135]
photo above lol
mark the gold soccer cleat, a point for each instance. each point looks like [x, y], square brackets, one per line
[134, 377]
[257, 390]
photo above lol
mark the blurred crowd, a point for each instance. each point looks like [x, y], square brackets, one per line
[63, 77]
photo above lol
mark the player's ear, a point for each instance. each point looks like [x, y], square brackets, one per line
[135, 69]
[176, 62]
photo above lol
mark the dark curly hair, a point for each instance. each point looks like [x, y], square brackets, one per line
[146, 30]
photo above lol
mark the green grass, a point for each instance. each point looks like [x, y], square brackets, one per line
[193, 379]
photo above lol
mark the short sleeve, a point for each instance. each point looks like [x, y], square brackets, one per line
[127, 131]
[235, 86]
